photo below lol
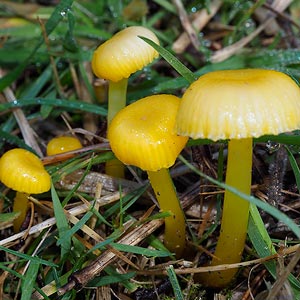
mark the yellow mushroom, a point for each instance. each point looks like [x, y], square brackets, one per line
[63, 144]
[23, 172]
[115, 60]
[142, 134]
[237, 105]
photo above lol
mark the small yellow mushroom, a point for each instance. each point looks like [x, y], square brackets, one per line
[63, 144]
[23, 172]
[142, 134]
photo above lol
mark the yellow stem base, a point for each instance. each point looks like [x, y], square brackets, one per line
[162, 184]
[20, 205]
[235, 214]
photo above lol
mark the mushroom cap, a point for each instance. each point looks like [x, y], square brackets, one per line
[236, 104]
[142, 134]
[124, 54]
[62, 144]
[24, 172]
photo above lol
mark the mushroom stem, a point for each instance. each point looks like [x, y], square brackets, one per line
[116, 101]
[234, 223]
[166, 195]
[116, 97]
[20, 205]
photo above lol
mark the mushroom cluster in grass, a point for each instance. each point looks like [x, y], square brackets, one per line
[115, 60]
[62, 144]
[142, 134]
[237, 105]
[23, 172]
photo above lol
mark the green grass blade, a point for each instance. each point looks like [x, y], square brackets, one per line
[173, 61]
[34, 259]
[141, 250]
[62, 223]
[62, 103]
[262, 244]
[294, 166]
[68, 234]
[14, 140]
[110, 279]
[29, 281]
[174, 282]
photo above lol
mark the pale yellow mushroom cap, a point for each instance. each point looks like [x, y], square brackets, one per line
[124, 54]
[62, 144]
[24, 172]
[235, 104]
[142, 134]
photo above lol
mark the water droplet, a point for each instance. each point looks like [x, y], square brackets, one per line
[272, 146]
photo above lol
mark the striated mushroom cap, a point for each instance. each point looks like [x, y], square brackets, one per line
[236, 104]
[142, 134]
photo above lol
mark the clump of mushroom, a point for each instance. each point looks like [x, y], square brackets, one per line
[115, 60]
[142, 134]
[237, 105]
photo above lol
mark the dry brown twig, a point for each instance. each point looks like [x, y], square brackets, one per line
[285, 252]
[201, 19]
[186, 24]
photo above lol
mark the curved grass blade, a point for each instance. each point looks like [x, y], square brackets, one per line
[63, 103]
[263, 245]
[29, 281]
[174, 282]
[173, 61]
[28, 257]
[62, 224]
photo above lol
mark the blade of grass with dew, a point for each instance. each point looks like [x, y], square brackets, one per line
[29, 280]
[273, 211]
[287, 139]
[140, 250]
[53, 21]
[33, 89]
[14, 140]
[62, 223]
[174, 282]
[263, 245]
[28, 257]
[62, 103]
[189, 76]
